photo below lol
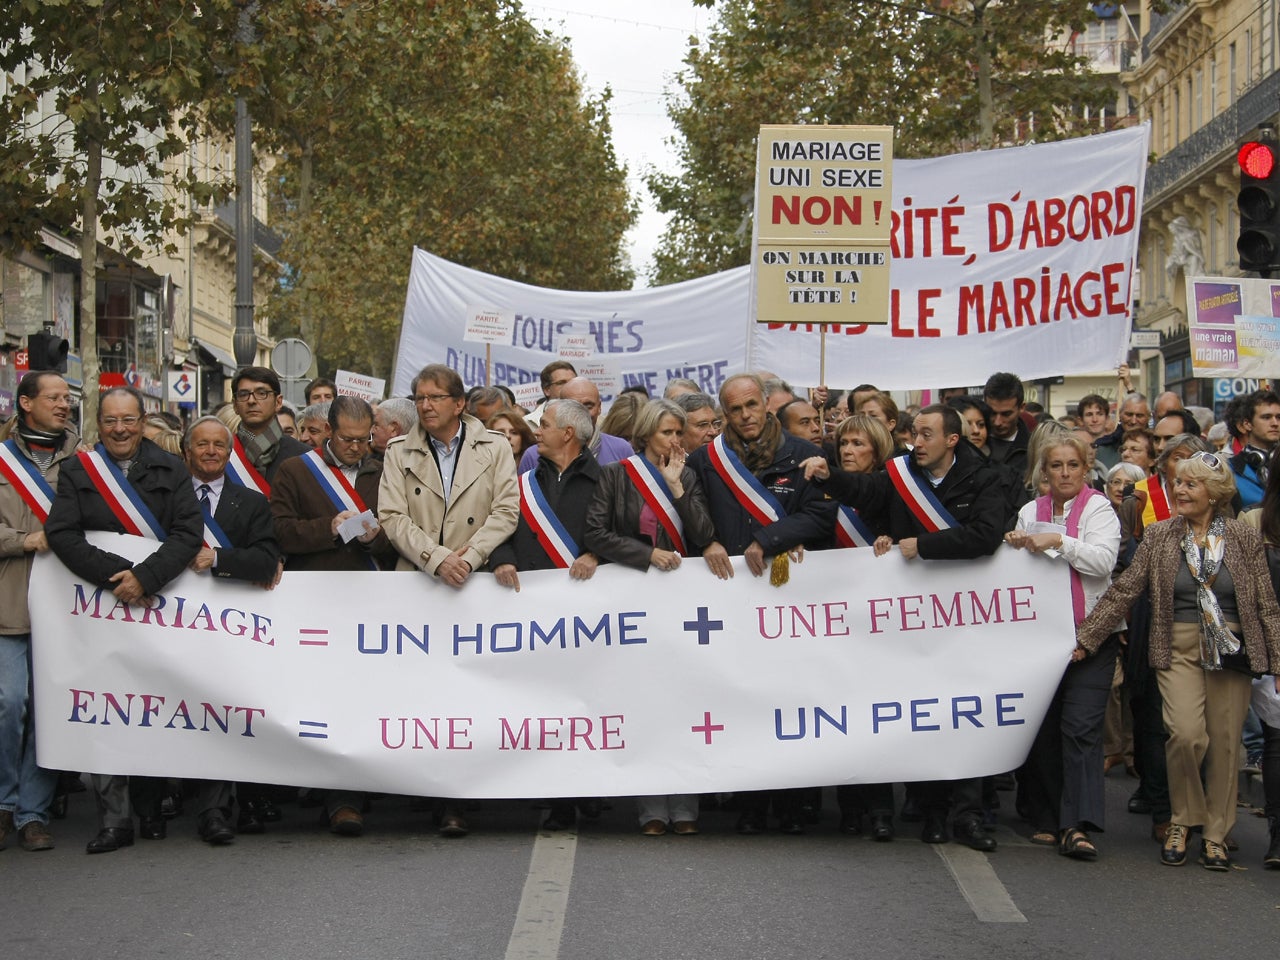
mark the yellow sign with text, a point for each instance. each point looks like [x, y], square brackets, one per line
[822, 223]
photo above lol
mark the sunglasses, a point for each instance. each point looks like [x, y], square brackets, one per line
[1214, 460]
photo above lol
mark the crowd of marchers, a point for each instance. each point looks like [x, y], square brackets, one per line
[1168, 523]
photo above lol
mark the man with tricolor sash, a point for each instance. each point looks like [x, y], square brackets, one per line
[260, 444]
[125, 484]
[551, 532]
[239, 544]
[763, 508]
[41, 441]
[942, 501]
[311, 498]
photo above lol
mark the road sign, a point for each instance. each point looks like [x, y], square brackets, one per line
[291, 358]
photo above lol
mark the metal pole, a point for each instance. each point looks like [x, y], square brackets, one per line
[245, 341]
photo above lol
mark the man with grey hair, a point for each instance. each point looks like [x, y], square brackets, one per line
[678, 387]
[313, 425]
[1135, 412]
[777, 393]
[485, 402]
[701, 423]
[239, 544]
[393, 418]
[605, 447]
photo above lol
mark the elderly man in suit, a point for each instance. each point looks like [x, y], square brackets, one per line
[239, 544]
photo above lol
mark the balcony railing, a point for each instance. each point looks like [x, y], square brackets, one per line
[1258, 105]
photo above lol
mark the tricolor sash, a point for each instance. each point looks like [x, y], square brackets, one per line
[245, 473]
[752, 495]
[850, 530]
[546, 526]
[1157, 506]
[214, 536]
[119, 494]
[26, 478]
[918, 495]
[1044, 514]
[334, 483]
[655, 492]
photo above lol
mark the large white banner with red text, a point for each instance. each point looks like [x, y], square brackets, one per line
[860, 669]
[1019, 260]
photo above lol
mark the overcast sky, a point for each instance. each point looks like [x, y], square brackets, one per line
[635, 49]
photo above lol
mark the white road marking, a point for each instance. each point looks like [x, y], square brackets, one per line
[540, 917]
[987, 896]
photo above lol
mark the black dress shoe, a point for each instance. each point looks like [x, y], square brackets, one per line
[251, 818]
[749, 825]
[935, 829]
[881, 827]
[153, 828]
[216, 831]
[1139, 804]
[970, 832]
[851, 824]
[110, 839]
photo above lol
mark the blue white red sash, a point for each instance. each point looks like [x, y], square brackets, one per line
[918, 495]
[1044, 514]
[546, 526]
[752, 495]
[245, 473]
[214, 536]
[850, 530]
[655, 492]
[334, 483]
[26, 478]
[119, 494]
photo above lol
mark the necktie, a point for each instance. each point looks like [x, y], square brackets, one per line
[204, 490]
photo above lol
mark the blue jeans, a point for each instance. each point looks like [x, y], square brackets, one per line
[26, 790]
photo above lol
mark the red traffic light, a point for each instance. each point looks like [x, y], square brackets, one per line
[1256, 159]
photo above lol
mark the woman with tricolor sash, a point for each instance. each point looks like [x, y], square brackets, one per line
[650, 511]
[1063, 776]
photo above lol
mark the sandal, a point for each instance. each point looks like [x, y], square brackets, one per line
[1044, 838]
[1077, 845]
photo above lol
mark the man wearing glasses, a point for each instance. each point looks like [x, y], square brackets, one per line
[92, 489]
[42, 440]
[449, 495]
[260, 444]
[311, 498]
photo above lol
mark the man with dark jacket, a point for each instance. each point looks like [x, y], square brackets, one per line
[41, 442]
[88, 485]
[561, 485]
[261, 444]
[240, 544]
[755, 455]
[942, 470]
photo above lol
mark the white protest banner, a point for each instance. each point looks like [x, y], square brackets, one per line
[1018, 259]
[860, 669]
[350, 384]
[1233, 326]
[489, 325]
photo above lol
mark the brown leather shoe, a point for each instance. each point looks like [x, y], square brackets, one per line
[36, 836]
[654, 828]
[1160, 831]
[346, 822]
[453, 825]
[684, 828]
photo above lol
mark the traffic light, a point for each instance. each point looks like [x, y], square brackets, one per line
[47, 351]
[1259, 202]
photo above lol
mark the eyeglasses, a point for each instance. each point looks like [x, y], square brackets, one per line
[121, 421]
[431, 398]
[352, 440]
[261, 393]
[56, 398]
[1212, 459]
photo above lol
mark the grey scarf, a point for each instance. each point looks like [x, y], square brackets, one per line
[1215, 638]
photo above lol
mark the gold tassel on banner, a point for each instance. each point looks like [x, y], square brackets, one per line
[780, 570]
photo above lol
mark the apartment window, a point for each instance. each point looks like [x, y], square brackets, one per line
[1197, 99]
[1177, 118]
[1213, 87]
[1233, 83]
[1248, 58]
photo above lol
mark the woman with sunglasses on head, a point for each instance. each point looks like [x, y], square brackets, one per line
[1215, 623]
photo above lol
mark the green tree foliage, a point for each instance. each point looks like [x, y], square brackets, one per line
[97, 96]
[946, 75]
[458, 128]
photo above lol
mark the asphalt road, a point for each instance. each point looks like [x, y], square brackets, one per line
[508, 892]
